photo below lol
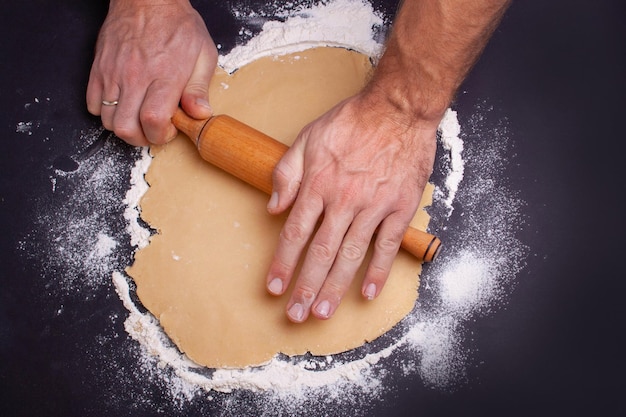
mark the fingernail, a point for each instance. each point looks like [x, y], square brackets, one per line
[323, 308]
[273, 203]
[296, 312]
[370, 291]
[275, 286]
[200, 101]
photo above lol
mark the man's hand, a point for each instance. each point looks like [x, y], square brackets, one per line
[363, 166]
[360, 168]
[149, 58]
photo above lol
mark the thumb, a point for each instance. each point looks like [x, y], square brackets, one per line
[286, 178]
[195, 97]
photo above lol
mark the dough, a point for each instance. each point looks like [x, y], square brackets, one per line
[203, 273]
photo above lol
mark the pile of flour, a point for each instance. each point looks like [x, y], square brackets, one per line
[345, 23]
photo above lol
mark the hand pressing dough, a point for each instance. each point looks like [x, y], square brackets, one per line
[203, 273]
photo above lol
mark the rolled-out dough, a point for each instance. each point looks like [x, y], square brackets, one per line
[203, 273]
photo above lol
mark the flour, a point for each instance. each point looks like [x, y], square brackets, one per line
[104, 246]
[464, 282]
[139, 235]
[467, 282]
[345, 23]
[24, 127]
[449, 130]
[73, 229]
[473, 276]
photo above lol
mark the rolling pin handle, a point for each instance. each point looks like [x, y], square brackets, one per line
[420, 244]
[189, 126]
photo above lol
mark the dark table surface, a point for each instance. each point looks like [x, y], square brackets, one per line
[553, 72]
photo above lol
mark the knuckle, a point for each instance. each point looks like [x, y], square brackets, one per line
[388, 245]
[293, 233]
[129, 134]
[287, 175]
[377, 274]
[304, 293]
[334, 290]
[152, 118]
[321, 252]
[351, 252]
[126, 133]
[282, 170]
[134, 67]
[280, 268]
[197, 87]
[350, 193]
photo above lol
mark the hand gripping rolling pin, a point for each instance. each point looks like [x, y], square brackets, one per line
[251, 156]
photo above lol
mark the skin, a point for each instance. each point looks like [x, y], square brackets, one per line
[360, 168]
[149, 57]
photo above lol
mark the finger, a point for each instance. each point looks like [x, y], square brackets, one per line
[349, 258]
[318, 261]
[287, 177]
[123, 118]
[386, 246]
[158, 107]
[94, 94]
[195, 97]
[298, 227]
[110, 93]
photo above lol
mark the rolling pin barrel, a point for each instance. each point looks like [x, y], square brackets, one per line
[251, 156]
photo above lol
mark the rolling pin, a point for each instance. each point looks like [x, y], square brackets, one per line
[251, 156]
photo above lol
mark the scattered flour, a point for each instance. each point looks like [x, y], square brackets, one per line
[75, 227]
[464, 283]
[24, 127]
[473, 276]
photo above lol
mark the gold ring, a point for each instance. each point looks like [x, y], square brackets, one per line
[109, 103]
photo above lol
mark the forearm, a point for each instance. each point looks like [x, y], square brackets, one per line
[432, 47]
[142, 3]
[141, 10]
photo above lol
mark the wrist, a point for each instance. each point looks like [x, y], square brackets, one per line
[411, 83]
[411, 99]
[408, 97]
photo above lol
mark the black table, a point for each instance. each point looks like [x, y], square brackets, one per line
[554, 72]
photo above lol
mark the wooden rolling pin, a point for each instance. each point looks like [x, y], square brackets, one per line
[251, 156]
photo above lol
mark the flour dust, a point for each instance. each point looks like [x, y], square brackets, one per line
[86, 229]
[77, 221]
